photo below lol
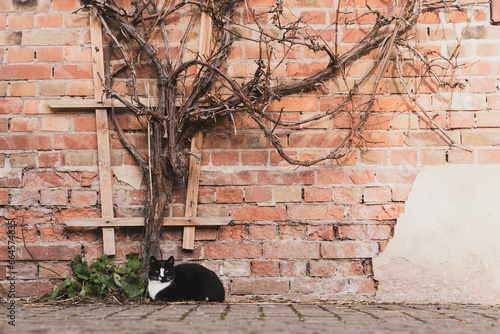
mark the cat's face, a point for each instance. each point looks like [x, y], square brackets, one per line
[161, 270]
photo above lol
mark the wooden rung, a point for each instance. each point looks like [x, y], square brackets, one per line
[139, 221]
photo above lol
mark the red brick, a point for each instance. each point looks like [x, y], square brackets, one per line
[291, 251]
[65, 4]
[11, 106]
[262, 232]
[53, 197]
[377, 194]
[349, 250]
[347, 195]
[68, 142]
[81, 71]
[379, 212]
[225, 158]
[258, 213]
[215, 141]
[49, 253]
[316, 194]
[292, 232]
[233, 251]
[232, 232]
[315, 211]
[265, 268]
[51, 160]
[47, 20]
[258, 195]
[31, 289]
[26, 142]
[25, 72]
[49, 55]
[263, 286]
[254, 158]
[320, 232]
[327, 176]
[323, 268]
[323, 140]
[24, 124]
[229, 195]
[351, 232]
[249, 141]
[84, 198]
[47, 269]
[53, 233]
[362, 176]
[302, 104]
[51, 179]
[488, 156]
[21, 55]
[4, 197]
[378, 232]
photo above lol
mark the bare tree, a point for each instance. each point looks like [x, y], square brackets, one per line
[192, 88]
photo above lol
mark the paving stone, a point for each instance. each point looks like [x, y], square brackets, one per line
[256, 318]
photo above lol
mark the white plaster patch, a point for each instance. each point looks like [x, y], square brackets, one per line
[129, 174]
[446, 245]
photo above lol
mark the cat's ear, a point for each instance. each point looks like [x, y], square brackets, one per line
[170, 261]
[152, 260]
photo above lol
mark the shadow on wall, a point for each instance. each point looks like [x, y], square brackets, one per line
[446, 244]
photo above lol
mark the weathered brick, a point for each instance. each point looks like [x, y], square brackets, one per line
[26, 142]
[232, 232]
[323, 268]
[349, 250]
[51, 179]
[25, 197]
[233, 251]
[80, 158]
[287, 194]
[262, 232]
[289, 250]
[315, 211]
[53, 197]
[258, 213]
[318, 286]
[23, 160]
[263, 286]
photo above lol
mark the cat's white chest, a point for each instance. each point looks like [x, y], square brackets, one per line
[156, 286]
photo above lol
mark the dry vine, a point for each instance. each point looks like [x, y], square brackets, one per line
[192, 91]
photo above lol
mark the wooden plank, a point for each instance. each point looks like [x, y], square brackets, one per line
[193, 188]
[103, 149]
[70, 105]
[139, 221]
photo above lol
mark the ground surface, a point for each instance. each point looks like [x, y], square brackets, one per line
[254, 318]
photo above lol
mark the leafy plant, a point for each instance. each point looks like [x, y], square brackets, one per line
[102, 278]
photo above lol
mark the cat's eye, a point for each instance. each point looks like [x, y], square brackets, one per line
[157, 271]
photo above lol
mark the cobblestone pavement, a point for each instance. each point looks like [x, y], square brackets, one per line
[254, 318]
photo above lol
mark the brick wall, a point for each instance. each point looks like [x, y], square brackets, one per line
[296, 232]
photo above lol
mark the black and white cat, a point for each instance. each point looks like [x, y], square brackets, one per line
[183, 282]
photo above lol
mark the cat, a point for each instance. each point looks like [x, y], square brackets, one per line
[183, 282]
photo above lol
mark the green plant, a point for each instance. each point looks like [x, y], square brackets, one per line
[102, 278]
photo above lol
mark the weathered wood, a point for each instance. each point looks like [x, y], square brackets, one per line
[103, 149]
[139, 221]
[193, 188]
